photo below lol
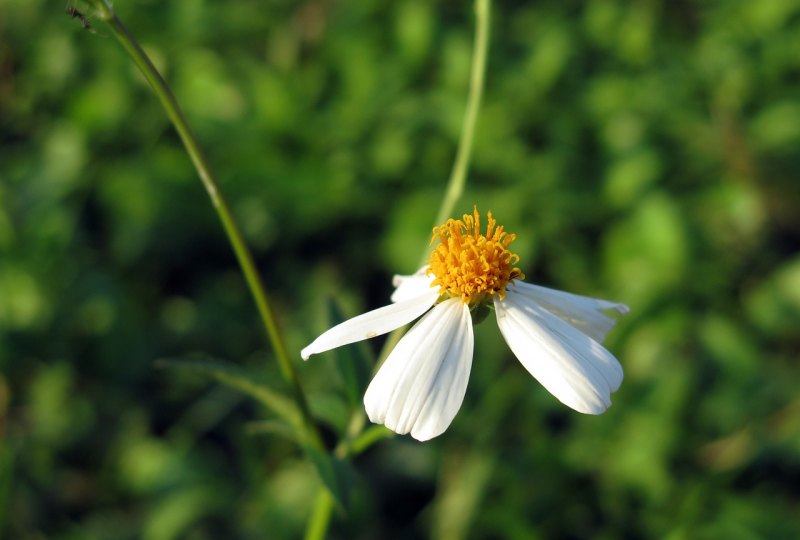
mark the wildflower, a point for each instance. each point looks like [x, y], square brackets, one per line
[555, 335]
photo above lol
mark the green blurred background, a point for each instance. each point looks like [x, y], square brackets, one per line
[643, 151]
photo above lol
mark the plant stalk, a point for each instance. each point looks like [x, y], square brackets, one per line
[458, 176]
[204, 171]
[323, 510]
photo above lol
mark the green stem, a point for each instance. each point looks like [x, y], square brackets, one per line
[458, 176]
[353, 444]
[232, 230]
[317, 528]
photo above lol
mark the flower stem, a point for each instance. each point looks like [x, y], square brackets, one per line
[458, 176]
[317, 528]
[352, 444]
[206, 175]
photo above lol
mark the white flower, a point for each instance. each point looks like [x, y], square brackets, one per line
[421, 385]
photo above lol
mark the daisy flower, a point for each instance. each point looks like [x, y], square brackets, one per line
[555, 335]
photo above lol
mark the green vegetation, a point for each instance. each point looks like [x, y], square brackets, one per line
[645, 152]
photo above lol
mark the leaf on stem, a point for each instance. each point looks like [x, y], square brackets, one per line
[331, 409]
[369, 437]
[335, 474]
[352, 363]
[238, 379]
[271, 427]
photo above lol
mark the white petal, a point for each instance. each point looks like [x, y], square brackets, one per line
[371, 324]
[421, 386]
[568, 363]
[407, 287]
[582, 312]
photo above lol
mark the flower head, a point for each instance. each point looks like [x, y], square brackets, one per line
[555, 335]
[470, 265]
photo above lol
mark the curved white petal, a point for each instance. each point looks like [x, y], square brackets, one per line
[568, 363]
[371, 324]
[421, 386]
[408, 287]
[582, 312]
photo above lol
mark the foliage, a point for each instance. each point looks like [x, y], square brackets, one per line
[644, 152]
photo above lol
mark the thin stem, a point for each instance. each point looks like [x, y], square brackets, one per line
[458, 176]
[317, 528]
[232, 230]
[352, 444]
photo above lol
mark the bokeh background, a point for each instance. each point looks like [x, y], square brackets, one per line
[643, 151]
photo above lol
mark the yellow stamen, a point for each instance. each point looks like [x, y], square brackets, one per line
[469, 264]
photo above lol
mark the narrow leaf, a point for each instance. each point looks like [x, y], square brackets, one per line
[236, 378]
[330, 408]
[352, 363]
[271, 427]
[336, 476]
[368, 437]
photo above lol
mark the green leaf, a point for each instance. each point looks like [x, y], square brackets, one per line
[369, 437]
[236, 378]
[335, 474]
[271, 427]
[479, 313]
[330, 408]
[352, 364]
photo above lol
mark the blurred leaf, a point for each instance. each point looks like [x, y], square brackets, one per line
[234, 377]
[148, 464]
[648, 252]
[777, 127]
[24, 301]
[331, 408]
[733, 348]
[368, 437]
[414, 28]
[271, 427]
[549, 56]
[175, 511]
[58, 414]
[630, 176]
[351, 362]
[335, 474]
[462, 483]
[201, 78]
[774, 305]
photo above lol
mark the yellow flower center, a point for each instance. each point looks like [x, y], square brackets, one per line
[469, 264]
